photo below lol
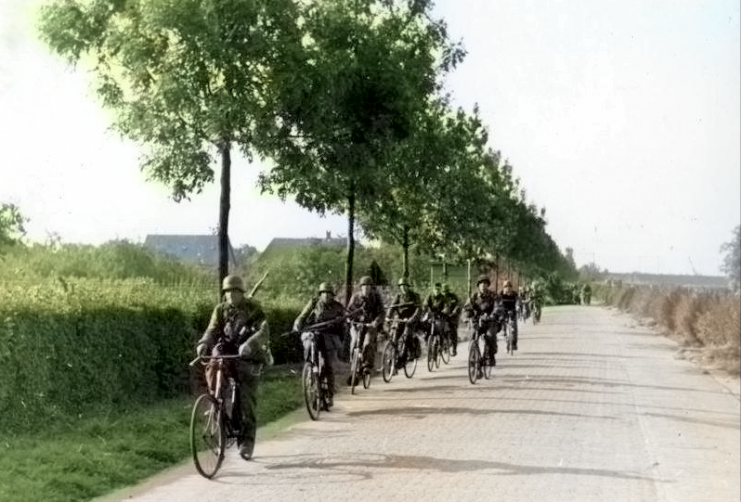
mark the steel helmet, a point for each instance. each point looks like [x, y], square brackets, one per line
[483, 278]
[403, 282]
[366, 281]
[232, 282]
[326, 287]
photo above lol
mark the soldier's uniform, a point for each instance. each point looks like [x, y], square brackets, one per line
[452, 310]
[434, 307]
[329, 338]
[509, 300]
[410, 312]
[367, 309]
[228, 331]
[481, 308]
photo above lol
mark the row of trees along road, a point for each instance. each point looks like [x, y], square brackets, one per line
[343, 97]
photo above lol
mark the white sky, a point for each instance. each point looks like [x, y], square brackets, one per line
[621, 117]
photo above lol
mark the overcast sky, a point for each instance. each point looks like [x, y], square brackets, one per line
[621, 118]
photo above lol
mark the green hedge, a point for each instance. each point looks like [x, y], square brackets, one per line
[67, 346]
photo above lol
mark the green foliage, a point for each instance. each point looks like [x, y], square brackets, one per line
[112, 260]
[11, 225]
[93, 454]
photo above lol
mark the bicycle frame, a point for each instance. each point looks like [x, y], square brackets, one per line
[208, 442]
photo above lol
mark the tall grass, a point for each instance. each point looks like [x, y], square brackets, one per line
[706, 320]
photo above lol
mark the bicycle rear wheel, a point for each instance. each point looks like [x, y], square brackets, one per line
[388, 362]
[474, 357]
[207, 435]
[312, 393]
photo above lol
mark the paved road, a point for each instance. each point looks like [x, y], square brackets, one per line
[591, 408]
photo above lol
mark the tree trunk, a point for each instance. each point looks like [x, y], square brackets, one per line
[350, 242]
[469, 278]
[405, 256]
[496, 272]
[224, 206]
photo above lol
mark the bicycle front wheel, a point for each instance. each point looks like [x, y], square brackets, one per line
[354, 363]
[312, 394]
[445, 350]
[431, 353]
[410, 365]
[207, 435]
[388, 362]
[474, 358]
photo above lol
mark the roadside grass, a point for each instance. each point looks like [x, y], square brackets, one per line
[91, 456]
[706, 324]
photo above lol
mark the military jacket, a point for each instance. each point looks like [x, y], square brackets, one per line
[452, 302]
[509, 301]
[371, 307]
[481, 303]
[407, 312]
[232, 325]
[435, 303]
[317, 311]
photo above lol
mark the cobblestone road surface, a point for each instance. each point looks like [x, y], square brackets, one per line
[592, 408]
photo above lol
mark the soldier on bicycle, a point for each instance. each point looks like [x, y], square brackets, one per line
[452, 311]
[366, 306]
[407, 306]
[480, 308]
[238, 326]
[433, 308]
[324, 308]
[508, 299]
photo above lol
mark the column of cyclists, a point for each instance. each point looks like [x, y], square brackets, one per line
[235, 347]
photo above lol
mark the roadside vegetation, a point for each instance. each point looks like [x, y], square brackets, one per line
[706, 323]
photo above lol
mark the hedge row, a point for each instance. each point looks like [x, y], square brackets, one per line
[69, 346]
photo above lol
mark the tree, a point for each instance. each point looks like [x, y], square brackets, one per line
[732, 260]
[12, 225]
[364, 73]
[186, 79]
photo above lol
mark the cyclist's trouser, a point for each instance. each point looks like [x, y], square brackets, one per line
[489, 333]
[369, 345]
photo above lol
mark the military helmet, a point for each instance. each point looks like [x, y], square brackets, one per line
[507, 284]
[446, 288]
[366, 281]
[232, 282]
[483, 278]
[403, 282]
[326, 287]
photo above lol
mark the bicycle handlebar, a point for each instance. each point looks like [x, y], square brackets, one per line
[208, 358]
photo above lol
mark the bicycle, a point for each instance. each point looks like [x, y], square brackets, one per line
[436, 347]
[397, 349]
[314, 382]
[211, 422]
[508, 326]
[356, 356]
[478, 364]
[537, 311]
